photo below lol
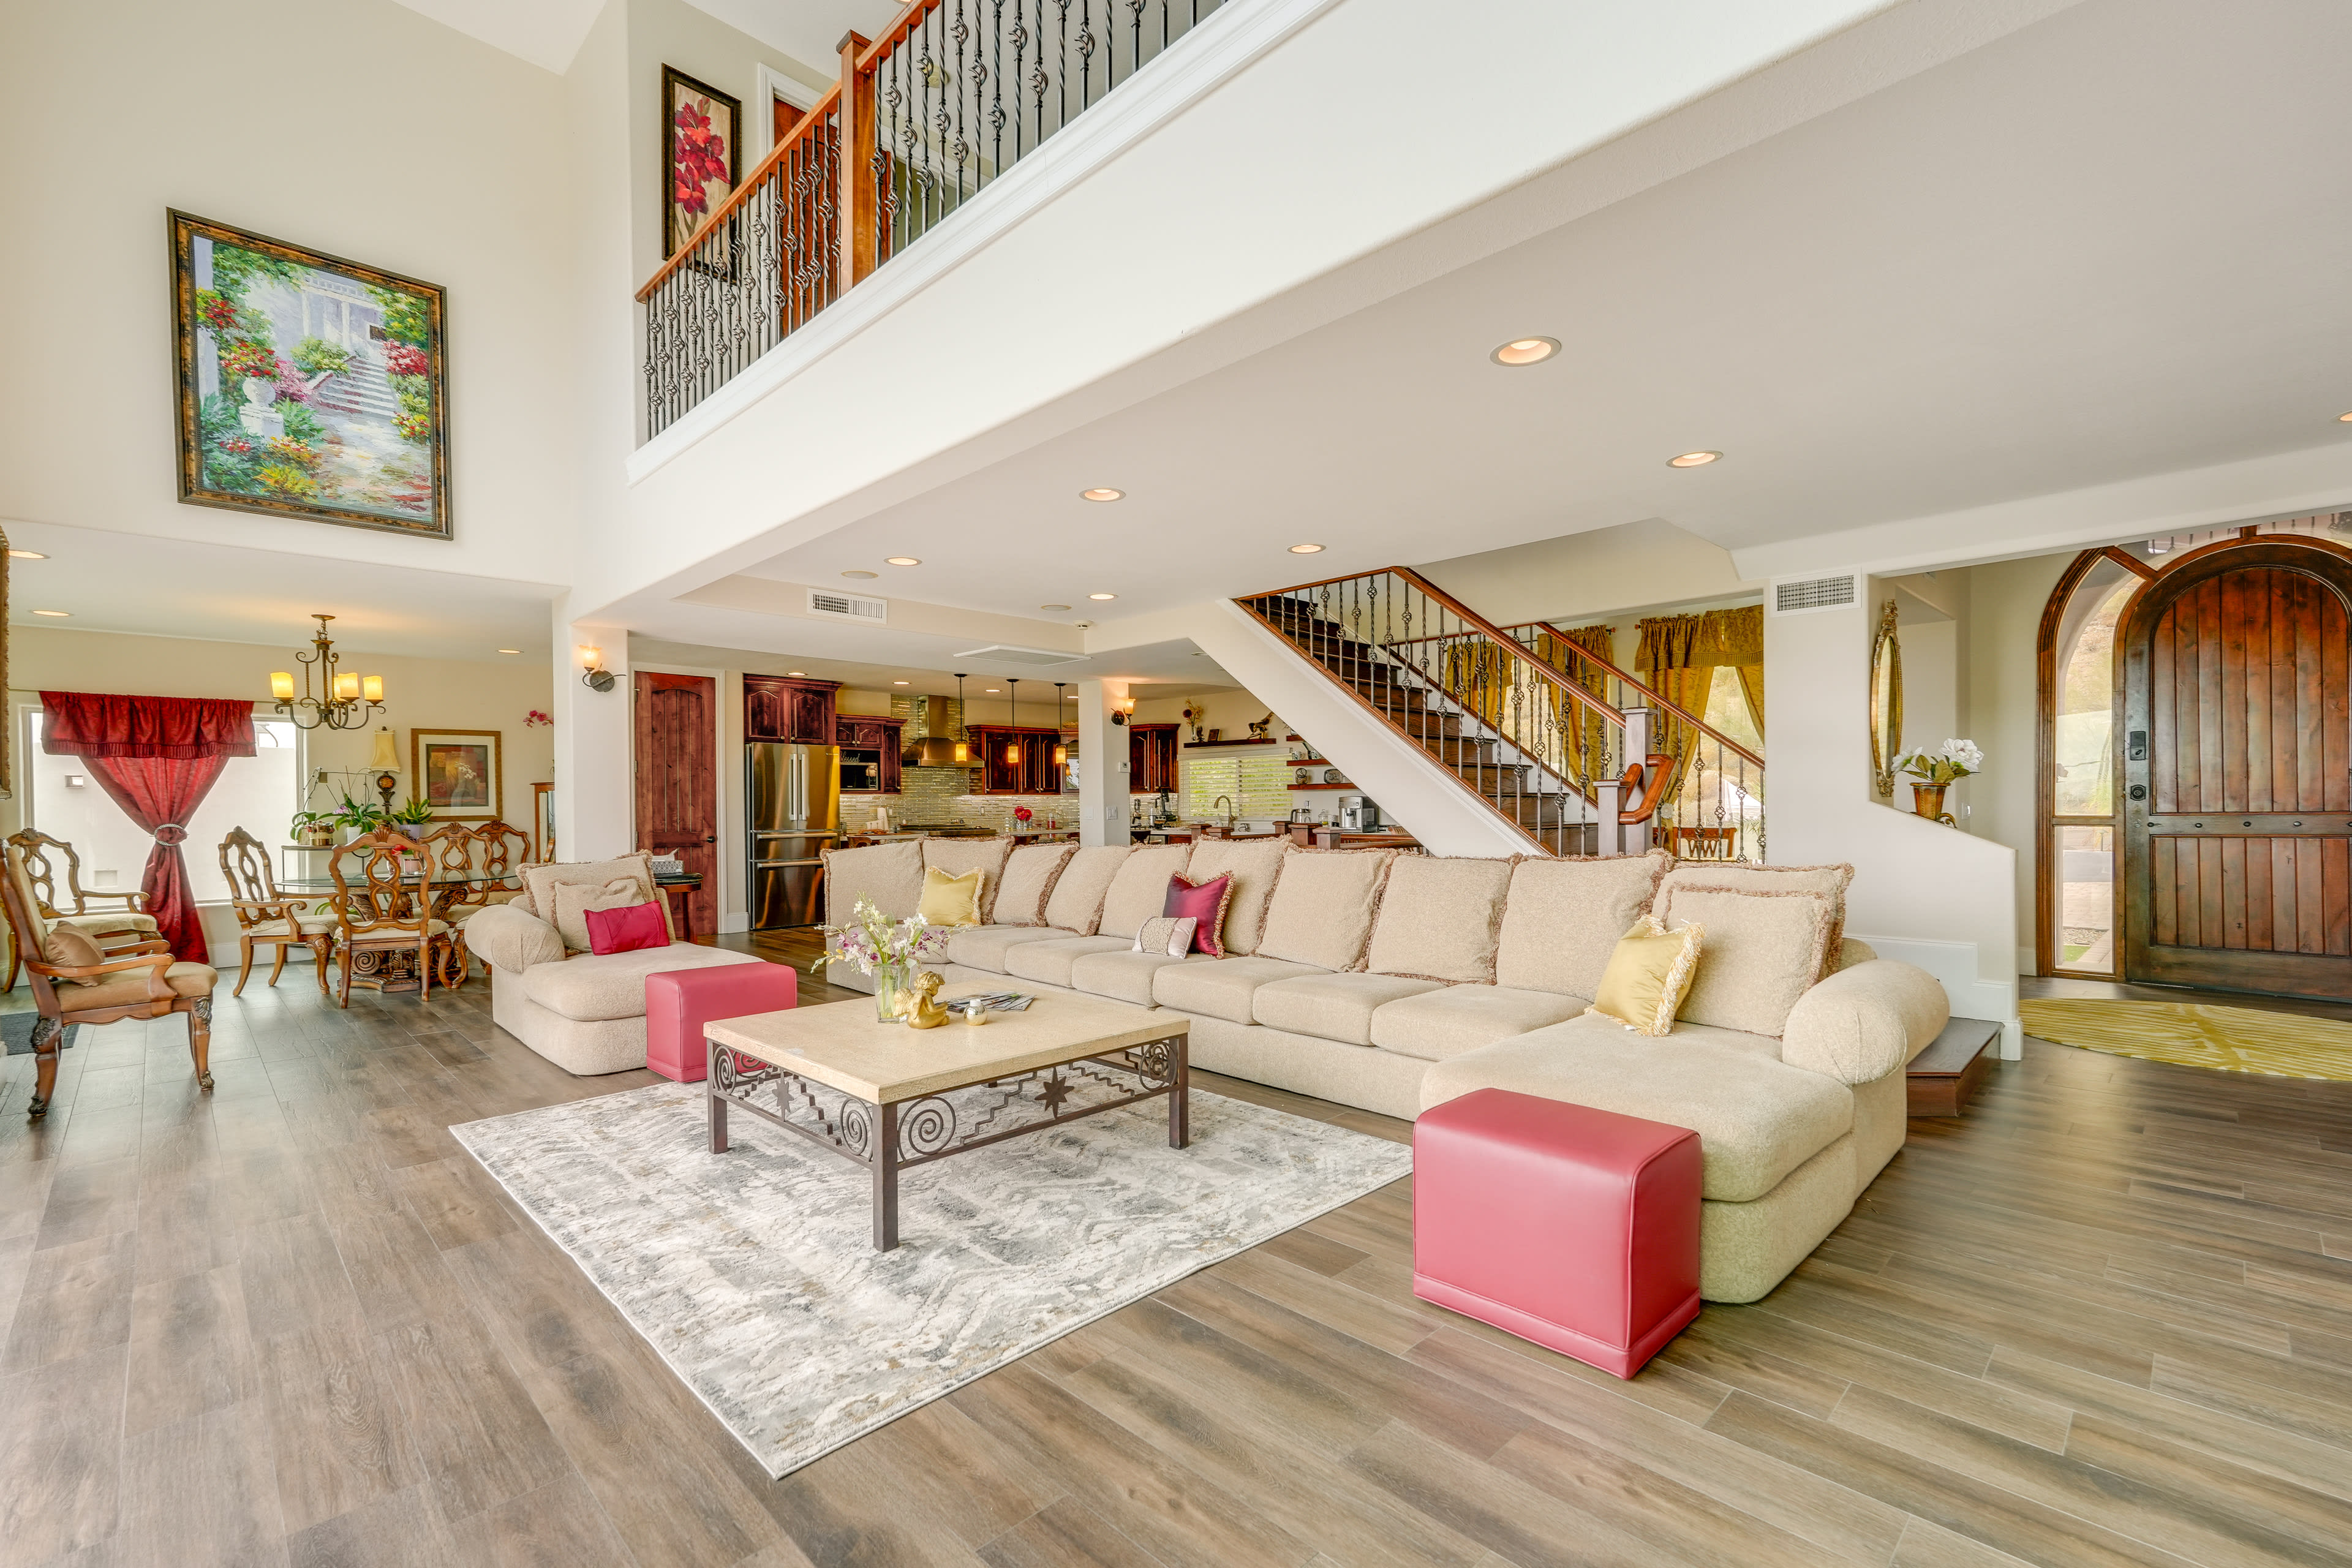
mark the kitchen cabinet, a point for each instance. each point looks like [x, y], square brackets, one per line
[1151, 758]
[786, 708]
[1015, 759]
[863, 733]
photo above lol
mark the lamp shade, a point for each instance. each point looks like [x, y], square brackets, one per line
[371, 687]
[387, 758]
[347, 688]
[281, 685]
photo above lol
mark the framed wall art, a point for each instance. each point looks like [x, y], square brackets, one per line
[460, 773]
[702, 156]
[308, 386]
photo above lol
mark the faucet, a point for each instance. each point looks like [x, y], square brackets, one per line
[1228, 802]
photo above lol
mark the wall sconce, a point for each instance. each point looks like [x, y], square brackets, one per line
[598, 677]
[1123, 709]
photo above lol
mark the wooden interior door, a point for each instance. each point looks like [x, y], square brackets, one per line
[677, 782]
[2238, 772]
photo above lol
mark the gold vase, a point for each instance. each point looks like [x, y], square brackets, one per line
[1927, 800]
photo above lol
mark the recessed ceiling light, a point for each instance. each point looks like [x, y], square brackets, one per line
[1306, 549]
[904, 560]
[859, 573]
[2344, 418]
[27, 555]
[1052, 607]
[509, 650]
[1100, 493]
[1526, 351]
[61, 615]
[898, 683]
[1693, 459]
[993, 691]
[1071, 695]
[797, 672]
[1102, 596]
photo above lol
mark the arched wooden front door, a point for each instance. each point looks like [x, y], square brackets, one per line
[2237, 771]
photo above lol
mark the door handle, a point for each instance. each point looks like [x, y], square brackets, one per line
[710, 838]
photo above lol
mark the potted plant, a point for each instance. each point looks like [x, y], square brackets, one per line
[315, 828]
[1937, 768]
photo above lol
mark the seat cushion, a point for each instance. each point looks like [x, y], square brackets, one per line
[1076, 901]
[1321, 912]
[1757, 1119]
[1255, 865]
[1221, 987]
[310, 925]
[96, 921]
[129, 987]
[1049, 963]
[984, 947]
[1561, 918]
[1030, 873]
[956, 857]
[1436, 1025]
[1438, 919]
[889, 875]
[1331, 1007]
[1139, 891]
[596, 987]
[1124, 976]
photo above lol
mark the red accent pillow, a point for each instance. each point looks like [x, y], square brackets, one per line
[1205, 902]
[627, 928]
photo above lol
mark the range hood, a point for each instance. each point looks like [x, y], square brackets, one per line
[938, 744]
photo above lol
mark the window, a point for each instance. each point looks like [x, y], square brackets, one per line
[259, 793]
[2079, 693]
[1259, 788]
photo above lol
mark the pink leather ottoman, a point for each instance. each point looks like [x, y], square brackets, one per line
[679, 1002]
[1573, 1227]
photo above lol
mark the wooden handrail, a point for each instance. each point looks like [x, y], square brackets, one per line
[741, 194]
[1680, 713]
[895, 33]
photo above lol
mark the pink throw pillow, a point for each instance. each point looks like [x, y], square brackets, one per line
[1205, 902]
[626, 929]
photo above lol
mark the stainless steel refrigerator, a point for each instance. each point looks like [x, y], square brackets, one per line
[794, 797]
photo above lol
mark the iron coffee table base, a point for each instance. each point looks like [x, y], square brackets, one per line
[889, 1138]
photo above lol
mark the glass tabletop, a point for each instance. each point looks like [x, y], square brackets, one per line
[440, 880]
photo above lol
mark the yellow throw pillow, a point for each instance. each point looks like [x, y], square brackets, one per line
[951, 900]
[1648, 975]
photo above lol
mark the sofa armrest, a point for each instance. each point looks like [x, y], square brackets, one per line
[505, 938]
[1863, 1022]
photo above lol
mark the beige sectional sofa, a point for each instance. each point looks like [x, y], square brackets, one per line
[1394, 982]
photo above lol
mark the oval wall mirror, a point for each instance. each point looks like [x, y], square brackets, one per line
[1885, 701]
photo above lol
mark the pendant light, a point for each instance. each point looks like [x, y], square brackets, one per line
[1012, 705]
[1060, 748]
[963, 739]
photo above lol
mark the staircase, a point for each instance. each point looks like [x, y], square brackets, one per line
[1576, 755]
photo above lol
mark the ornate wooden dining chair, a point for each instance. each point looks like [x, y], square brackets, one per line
[384, 911]
[1706, 843]
[49, 862]
[135, 977]
[268, 918]
[498, 852]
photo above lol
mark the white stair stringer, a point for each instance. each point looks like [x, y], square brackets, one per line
[1414, 789]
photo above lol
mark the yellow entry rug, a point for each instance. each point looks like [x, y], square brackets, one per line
[2190, 1034]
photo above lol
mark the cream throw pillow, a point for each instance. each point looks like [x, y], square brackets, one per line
[540, 881]
[1167, 936]
[1648, 975]
[951, 900]
[73, 948]
[1764, 950]
[575, 900]
[1030, 873]
[1323, 904]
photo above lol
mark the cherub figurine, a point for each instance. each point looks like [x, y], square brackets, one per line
[921, 1008]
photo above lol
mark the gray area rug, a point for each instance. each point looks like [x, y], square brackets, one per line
[753, 1272]
[16, 1033]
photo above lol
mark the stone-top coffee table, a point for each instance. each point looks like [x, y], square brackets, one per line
[878, 1094]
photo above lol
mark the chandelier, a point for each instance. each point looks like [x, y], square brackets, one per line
[344, 702]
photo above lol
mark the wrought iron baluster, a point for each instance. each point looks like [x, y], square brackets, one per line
[996, 89]
[962, 149]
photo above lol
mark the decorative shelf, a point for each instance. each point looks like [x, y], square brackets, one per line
[1220, 745]
[1320, 786]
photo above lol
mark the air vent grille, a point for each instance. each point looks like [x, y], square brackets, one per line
[1808, 594]
[848, 607]
[1005, 653]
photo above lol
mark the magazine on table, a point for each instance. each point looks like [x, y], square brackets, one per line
[1000, 1000]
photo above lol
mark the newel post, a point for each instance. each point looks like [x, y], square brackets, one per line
[858, 197]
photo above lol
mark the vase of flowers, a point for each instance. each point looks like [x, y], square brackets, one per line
[891, 951]
[1937, 769]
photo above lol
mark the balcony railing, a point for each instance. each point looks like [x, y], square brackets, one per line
[951, 96]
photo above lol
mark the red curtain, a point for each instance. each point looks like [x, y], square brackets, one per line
[157, 758]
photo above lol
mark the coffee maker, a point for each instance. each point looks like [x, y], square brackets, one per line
[1358, 814]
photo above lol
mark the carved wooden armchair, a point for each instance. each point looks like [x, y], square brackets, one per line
[268, 918]
[495, 851]
[135, 976]
[49, 862]
[384, 916]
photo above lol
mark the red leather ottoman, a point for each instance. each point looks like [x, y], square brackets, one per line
[1573, 1227]
[679, 1002]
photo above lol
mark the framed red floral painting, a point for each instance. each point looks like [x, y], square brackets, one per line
[702, 158]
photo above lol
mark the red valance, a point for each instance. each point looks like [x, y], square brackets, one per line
[89, 725]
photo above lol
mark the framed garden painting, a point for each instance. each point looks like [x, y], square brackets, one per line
[308, 386]
[701, 157]
[458, 773]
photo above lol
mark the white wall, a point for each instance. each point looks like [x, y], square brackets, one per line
[1921, 893]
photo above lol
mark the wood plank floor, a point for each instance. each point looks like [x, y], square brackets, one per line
[2105, 1320]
